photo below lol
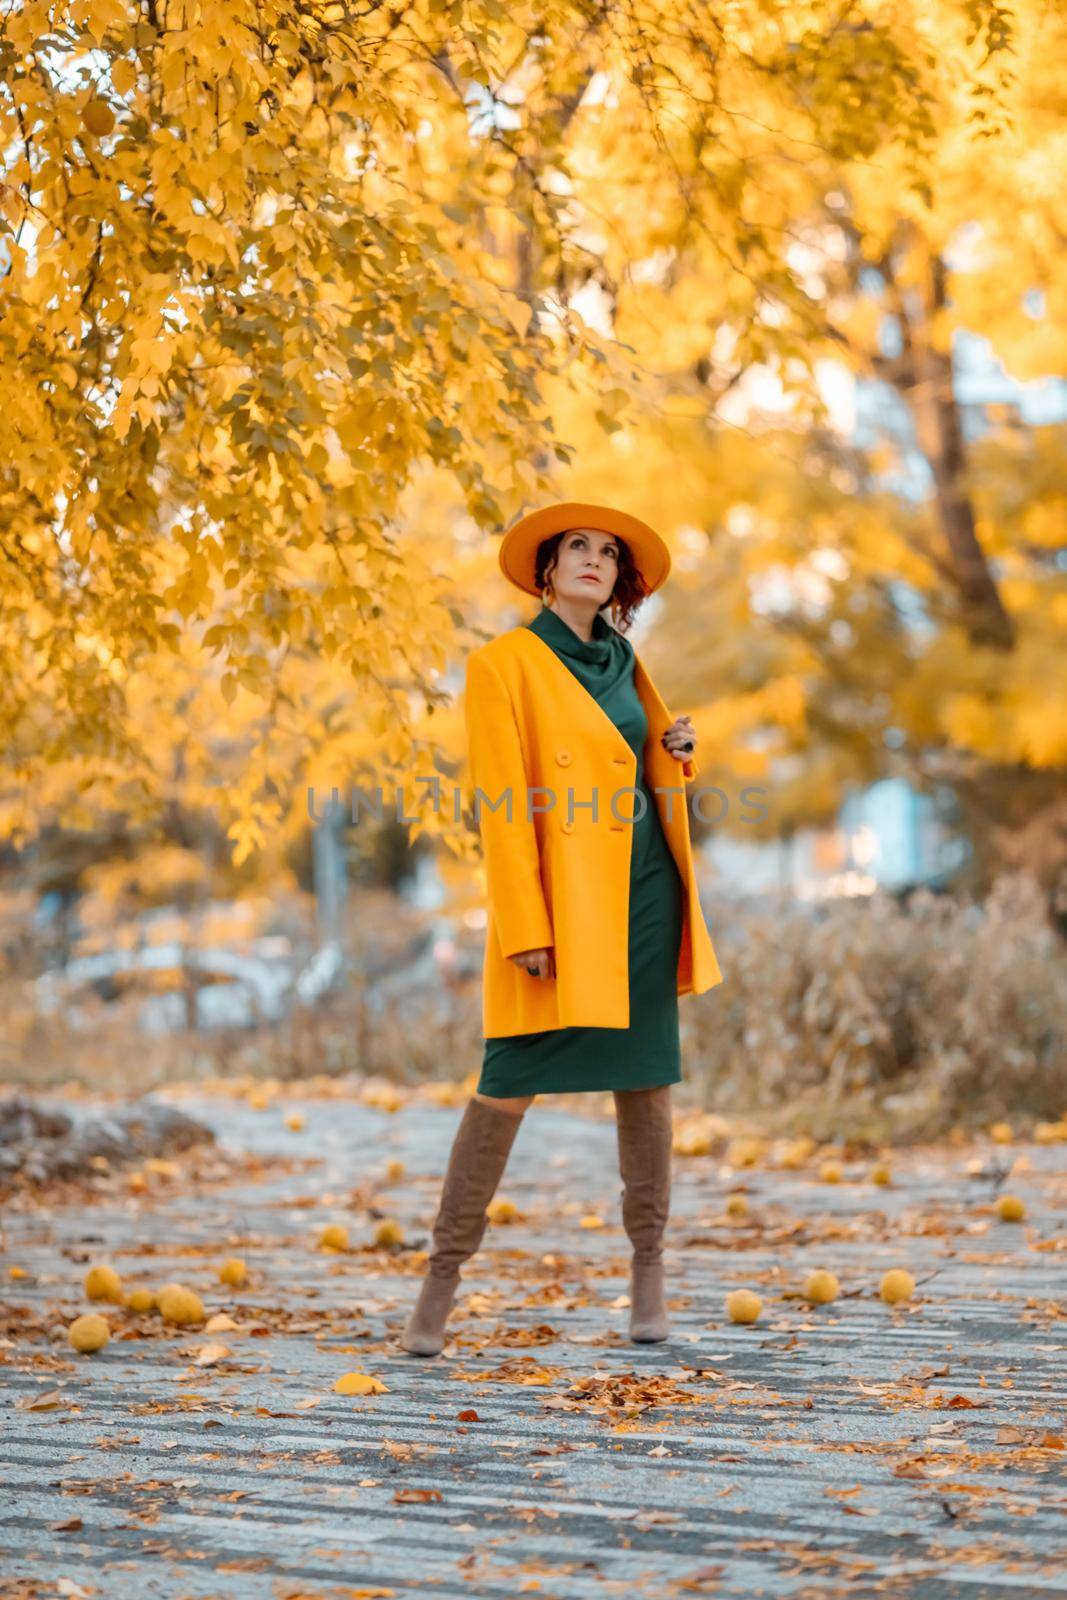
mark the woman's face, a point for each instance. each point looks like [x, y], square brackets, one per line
[587, 565]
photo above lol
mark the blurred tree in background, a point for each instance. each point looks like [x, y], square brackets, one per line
[302, 300]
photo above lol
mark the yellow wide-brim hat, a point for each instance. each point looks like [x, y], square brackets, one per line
[518, 547]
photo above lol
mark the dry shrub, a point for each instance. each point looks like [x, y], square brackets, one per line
[873, 1018]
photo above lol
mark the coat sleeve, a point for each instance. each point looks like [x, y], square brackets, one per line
[517, 904]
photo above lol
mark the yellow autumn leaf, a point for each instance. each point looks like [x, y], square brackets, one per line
[359, 1383]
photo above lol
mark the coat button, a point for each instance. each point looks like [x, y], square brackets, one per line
[566, 827]
[563, 757]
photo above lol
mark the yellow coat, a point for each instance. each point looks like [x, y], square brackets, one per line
[559, 881]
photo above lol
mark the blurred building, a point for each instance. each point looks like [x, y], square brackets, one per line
[884, 837]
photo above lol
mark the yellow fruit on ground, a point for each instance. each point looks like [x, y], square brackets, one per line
[795, 1152]
[16, 1272]
[359, 1383]
[394, 1171]
[743, 1306]
[383, 1096]
[140, 1300]
[830, 1172]
[736, 1205]
[881, 1174]
[295, 1121]
[136, 1182]
[88, 1334]
[698, 1135]
[1010, 1208]
[591, 1220]
[1001, 1133]
[743, 1152]
[897, 1285]
[334, 1237]
[257, 1099]
[821, 1288]
[179, 1305]
[503, 1211]
[388, 1232]
[234, 1272]
[103, 1283]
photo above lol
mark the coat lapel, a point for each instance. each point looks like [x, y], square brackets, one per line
[575, 685]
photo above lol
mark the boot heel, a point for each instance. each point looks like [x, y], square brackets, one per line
[424, 1331]
[648, 1313]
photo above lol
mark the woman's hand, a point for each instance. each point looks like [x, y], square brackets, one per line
[680, 739]
[538, 963]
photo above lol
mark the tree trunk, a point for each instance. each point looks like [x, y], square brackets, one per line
[936, 410]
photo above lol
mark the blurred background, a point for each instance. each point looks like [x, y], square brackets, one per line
[300, 307]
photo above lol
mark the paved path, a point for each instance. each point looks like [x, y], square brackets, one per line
[851, 1450]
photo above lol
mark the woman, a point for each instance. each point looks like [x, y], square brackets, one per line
[595, 925]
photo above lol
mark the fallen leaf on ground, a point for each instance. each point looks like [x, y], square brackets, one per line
[359, 1383]
[42, 1402]
[221, 1322]
[211, 1354]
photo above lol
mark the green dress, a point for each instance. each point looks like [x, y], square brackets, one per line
[647, 1053]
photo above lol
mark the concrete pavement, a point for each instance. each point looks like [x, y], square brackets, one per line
[847, 1450]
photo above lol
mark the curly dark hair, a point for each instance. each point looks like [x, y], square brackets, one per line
[630, 591]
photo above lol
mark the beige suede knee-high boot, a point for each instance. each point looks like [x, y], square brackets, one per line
[479, 1155]
[644, 1126]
